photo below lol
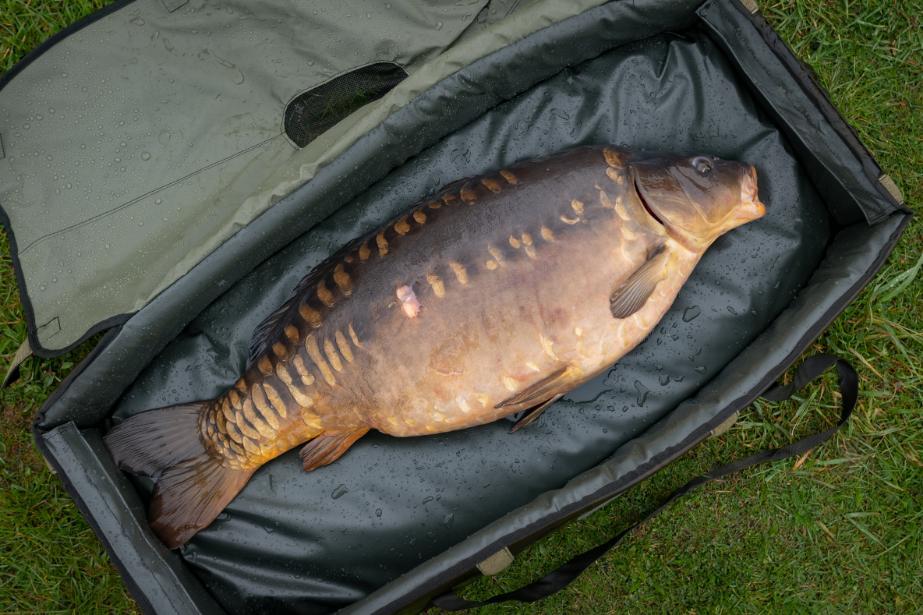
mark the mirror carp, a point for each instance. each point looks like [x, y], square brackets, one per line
[496, 296]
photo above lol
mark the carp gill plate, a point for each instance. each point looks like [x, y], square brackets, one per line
[497, 296]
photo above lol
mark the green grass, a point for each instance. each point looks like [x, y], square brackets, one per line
[840, 531]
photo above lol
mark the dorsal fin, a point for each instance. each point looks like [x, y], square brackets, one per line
[270, 329]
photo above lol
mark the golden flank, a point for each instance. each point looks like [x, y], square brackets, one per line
[496, 296]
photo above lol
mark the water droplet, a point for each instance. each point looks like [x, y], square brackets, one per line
[428, 499]
[691, 313]
[732, 310]
[664, 380]
[448, 519]
[145, 155]
[137, 21]
[700, 369]
[378, 512]
[642, 392]
[439, 25]
[339, 492]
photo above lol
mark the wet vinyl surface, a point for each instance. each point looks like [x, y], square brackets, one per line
[315, 542]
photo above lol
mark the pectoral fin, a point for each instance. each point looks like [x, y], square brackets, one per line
[325, 449]
[631, 296]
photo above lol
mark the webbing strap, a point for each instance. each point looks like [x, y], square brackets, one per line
[12, 373]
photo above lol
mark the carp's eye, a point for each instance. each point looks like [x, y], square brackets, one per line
[702, 165]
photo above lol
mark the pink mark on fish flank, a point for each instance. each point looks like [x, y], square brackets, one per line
[409, 302]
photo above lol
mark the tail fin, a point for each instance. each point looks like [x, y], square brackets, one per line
[190, 495]
[150, 442]
[193, 486]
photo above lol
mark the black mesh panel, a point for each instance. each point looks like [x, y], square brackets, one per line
[316, 110]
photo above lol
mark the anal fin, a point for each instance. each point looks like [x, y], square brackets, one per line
[325, 449]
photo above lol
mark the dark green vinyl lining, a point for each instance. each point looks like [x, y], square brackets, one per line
[284, 557]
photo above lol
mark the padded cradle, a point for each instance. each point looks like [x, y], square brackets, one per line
[391, 503]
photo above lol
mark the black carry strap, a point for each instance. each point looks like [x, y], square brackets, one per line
[559, 579]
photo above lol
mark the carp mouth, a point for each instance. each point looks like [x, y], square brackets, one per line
[645, 204]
